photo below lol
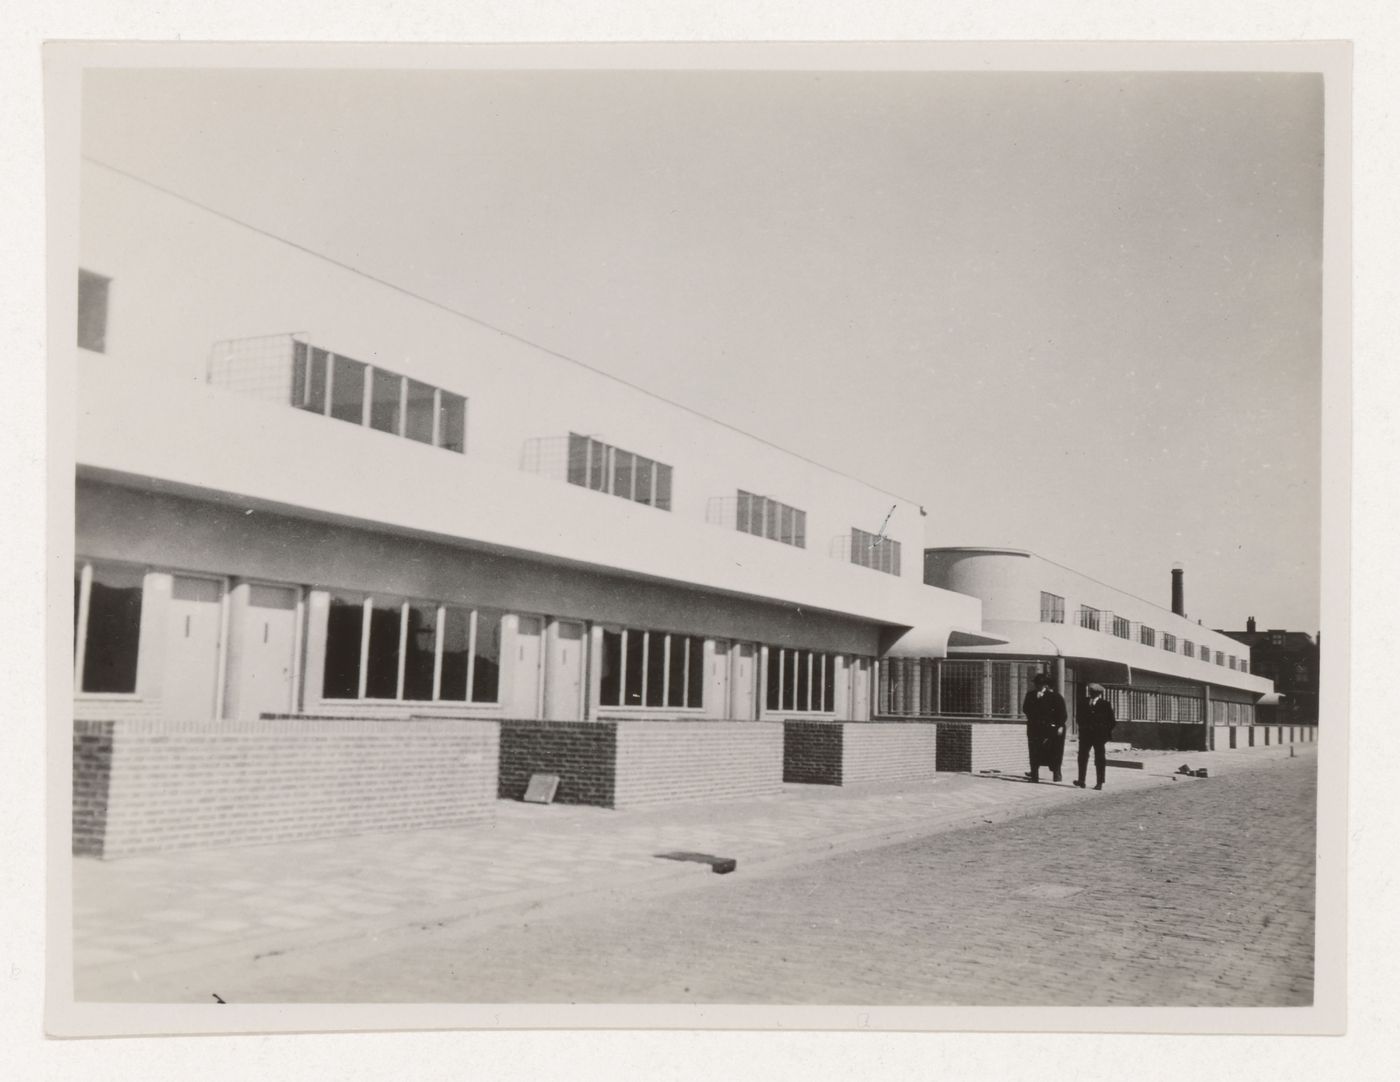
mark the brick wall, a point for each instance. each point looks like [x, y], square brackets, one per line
[1000, 747]
[812, 752]
[889, 751]
[176, 785]
[1162, 735]
[848, 753]
[954, 746]
[667, 762]
[92, 776]
[582, 753]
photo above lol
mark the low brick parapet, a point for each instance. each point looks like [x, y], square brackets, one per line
[143, 786]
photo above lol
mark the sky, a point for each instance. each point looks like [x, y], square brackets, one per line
[1073, 313]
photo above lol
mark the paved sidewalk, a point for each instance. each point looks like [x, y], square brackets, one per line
[141, 918]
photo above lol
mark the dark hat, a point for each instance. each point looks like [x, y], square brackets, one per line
[1095, 689]
[1041, 679]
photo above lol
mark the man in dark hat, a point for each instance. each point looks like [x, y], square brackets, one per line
[1045, 712]
[1095, 727]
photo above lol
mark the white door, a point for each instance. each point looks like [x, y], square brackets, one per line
[192, 649]
[742, 680]
[564, 675]
[525, 668]
[261, 661]
[717, 694]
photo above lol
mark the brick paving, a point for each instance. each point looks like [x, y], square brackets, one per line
[162, 926]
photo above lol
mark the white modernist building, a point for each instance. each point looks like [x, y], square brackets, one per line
[1157, 665]
[300, 492]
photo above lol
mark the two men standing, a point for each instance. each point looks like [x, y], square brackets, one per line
[1046, 716]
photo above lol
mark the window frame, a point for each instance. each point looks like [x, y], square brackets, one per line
[82, 626]
[648, 651]
[367, 602]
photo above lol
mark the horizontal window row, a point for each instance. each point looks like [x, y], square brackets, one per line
[801, 681]
[875, 551]
[763, 516]
[396, 650]
[1231, 713]
[651, 668]
[363, 394]
[603, 468]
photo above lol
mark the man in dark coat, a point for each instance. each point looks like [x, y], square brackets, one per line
[1045, 712]
[1095, 727]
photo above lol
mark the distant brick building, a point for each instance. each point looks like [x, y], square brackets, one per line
[1291, 660]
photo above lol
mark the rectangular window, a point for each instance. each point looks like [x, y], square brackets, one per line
[1122, 627]
[486, 660]
[456, 653]
[651, 668]
[382, 661]
[743, 512]
[610, 671]
[766, 517]
[418, 421]
[386, 389]
[420, 652]
[1091, 619]
[452, 422]
[348, 390]
[598, 465]
[1220, 657]
[1244, 665]
[93, 291]
[663, 487]
[656, 669]
[677, 669]
[1188, 648]
[774, 677]
[875, 551]
[604, 468]
[111, 634]
[635, 653]
[578, 460]
[622, 474]
[644, 479]
[1052, 608]
[695, 673]
[828, 682]
[1233, 661]
[344, 637]
[1147, 636]
[1168, 642]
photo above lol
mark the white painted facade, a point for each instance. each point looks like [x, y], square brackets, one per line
[245, 520]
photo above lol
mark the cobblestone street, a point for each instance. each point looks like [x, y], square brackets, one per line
[1198, 894]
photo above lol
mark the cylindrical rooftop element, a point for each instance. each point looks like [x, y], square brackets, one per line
[1178, 590]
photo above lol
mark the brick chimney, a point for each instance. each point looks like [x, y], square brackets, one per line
[1178, 590]
[1249, 624]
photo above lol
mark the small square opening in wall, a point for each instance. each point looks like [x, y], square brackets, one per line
[541, 789]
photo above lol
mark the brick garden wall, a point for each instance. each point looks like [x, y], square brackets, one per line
[582, 753]
[92, 777]
[173, 785]
[889, 751]
[812, 752]
[1000, 746]
[848, 753]
[670, 762]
